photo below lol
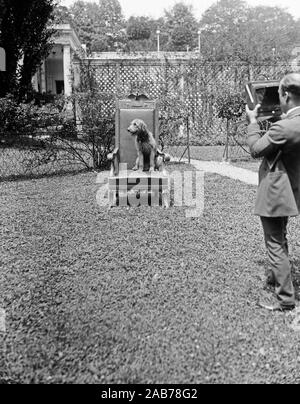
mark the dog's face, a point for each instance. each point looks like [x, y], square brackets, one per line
[136, 126]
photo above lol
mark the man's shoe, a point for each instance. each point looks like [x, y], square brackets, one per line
[270, 279]
[269, 288]
[275, 306]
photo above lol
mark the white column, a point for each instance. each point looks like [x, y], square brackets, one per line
[35, 82]
[67, 70]
[43, 77]
[76, 72]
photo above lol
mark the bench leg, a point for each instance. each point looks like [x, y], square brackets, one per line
[154, 198]
[166, 199]
[112, 199]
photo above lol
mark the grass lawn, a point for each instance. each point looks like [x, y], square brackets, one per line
[143, 295]
[23, 163]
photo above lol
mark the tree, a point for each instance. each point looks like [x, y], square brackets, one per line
[62, 15]
[138, 28]
[2, 8]
[269, 35]
[112, 25]
[141, 34]
[221, 26]
[27, 40]
[100, 26]
[86, 17]
[233, 31]
[161, 25]
[182, 27]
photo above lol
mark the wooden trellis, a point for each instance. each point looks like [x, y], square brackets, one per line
[197, 83]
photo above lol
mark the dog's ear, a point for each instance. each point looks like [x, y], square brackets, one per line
[144, 127]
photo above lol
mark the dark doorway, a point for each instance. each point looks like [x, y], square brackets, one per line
[60, 87]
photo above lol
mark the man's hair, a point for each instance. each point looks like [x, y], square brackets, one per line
[291, 84]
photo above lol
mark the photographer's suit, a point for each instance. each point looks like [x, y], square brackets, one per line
[283, 135]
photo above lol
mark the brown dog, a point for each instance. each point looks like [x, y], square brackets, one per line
[145, 144]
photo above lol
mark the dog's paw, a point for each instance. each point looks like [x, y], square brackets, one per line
[151, 170]
[135, 168]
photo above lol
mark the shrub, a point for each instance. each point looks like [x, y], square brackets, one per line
[8, 117]
[24, 124]
[96, 114]
[230, 106]
[52, 128]
[173, 116]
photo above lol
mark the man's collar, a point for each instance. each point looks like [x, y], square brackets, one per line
[292, 111]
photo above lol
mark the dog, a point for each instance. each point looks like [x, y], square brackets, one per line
[146, 147]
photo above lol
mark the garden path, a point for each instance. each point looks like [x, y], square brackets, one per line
[215, 167]
[227, 170]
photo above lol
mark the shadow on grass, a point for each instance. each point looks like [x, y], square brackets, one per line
[26, 177]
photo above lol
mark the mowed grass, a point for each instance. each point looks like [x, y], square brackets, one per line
[144, 295]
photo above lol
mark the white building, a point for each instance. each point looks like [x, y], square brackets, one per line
[55, 74]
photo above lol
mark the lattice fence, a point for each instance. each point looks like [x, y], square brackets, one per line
[186, 90]
[196, 84]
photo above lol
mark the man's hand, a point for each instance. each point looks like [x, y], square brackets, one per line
[252, 115]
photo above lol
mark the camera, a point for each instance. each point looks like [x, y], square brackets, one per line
[266, 94]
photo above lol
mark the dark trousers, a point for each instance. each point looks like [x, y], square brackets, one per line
[275, 230]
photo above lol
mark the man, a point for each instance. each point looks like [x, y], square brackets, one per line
[284, 135]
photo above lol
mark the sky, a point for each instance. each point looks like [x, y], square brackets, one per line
[155, 8]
